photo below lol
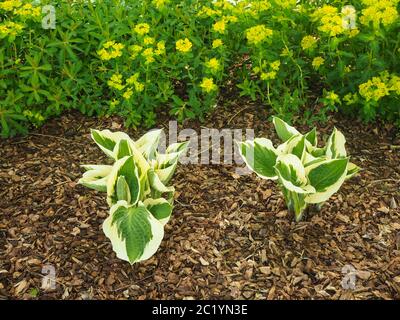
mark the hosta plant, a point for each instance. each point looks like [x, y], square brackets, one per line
[306, 173]
[137, 190]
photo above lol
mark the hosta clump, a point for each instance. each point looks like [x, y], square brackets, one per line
[306, 173]
[137, 190]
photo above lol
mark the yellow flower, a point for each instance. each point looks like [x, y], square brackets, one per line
[220, 26]
[148, 40]
[275, 65]
[135, 50]
[183, 45]
[258, 34]
[127, 94]
[217, 43]
[374, 89]
[268, 75]
[160, 48]
[116, 82]
[208, 85]
[308, 42]
[10, 5]
[132, 79]
[142, 29]
[317, 62]
[160, 3]
[213, 64]
[332, 96]
[111, 50]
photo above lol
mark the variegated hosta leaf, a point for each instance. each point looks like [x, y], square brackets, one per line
[126, 168]
[122, 149]
[134, 232]
[335, 147]
[295, 145]
[160, 208]
[312, 137]
[148, 144]
[156, 184]
[179, 147]
[260, 156]
[292, 174]
[107, 140]
[95, 177]
[284, 131]
[352, 169]
[326, 177]
[167, 163]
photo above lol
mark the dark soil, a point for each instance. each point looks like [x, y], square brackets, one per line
[230, 236]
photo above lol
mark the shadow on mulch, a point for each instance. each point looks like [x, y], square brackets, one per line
[230, 236]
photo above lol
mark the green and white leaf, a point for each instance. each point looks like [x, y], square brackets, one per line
[96, 177]
[335, 147]
[148, 143]
[311, 137]
[352, 169]
[292, 174]
[127, 168]
[134, 232]
[156, 184]
[283, 130]
[107, 140]
[259, 156]
[326, 177]
[160, 208]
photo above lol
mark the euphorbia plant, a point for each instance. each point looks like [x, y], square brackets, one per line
[137, 192]
[306, 173]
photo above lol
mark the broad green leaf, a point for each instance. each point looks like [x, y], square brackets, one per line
[335, 147]
[95, 177]
[160, 208]
[284, 131]
[107, 140]
[134, 232]
[295, 145]
[326, 177]
[292, 175]
[127, 168]
[260, 156]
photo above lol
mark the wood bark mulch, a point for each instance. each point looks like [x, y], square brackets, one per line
[230, 236]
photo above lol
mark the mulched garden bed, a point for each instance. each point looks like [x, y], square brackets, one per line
[230, 236]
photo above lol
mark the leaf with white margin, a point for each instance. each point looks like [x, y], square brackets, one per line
[95, 177]
[167, 163]
[122, 149]
[283, 130]
[148, 143]
[107, 140]
[292, 174]
[260, 156]
[134, 232]
[178, 147]
[352, 169]
[123, 191]
[127, 168]
[156, 184]
[311, 137]
[326, 177]
[295, 145]
[160, 208]
[335, 147]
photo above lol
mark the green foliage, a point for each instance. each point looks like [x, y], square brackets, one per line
[306, 173]
[136, 186]
[139, 58]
